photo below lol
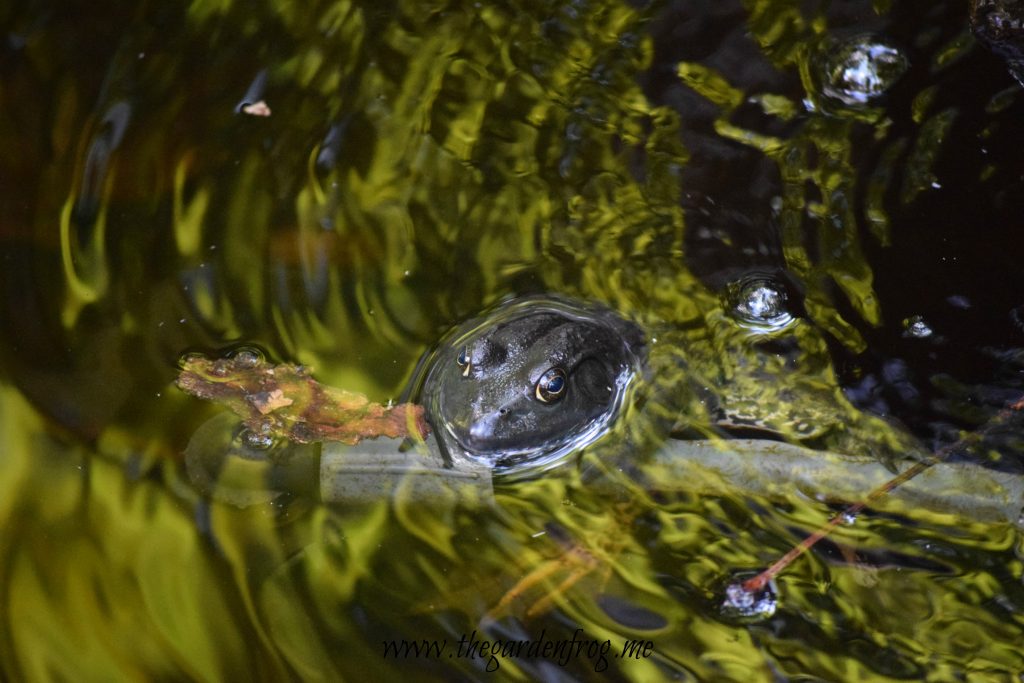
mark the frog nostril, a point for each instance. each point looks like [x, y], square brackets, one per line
[503, 411]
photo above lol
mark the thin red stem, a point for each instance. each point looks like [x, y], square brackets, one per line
[758, 582]
[761, 580]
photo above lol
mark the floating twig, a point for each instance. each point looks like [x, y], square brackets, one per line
[284, 401]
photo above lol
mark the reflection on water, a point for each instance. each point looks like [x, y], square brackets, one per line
[414, 163]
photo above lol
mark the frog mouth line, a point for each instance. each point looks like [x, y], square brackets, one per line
[527, 461]
[514, 463]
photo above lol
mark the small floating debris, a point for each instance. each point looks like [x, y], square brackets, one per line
[252, 102]
[260, 108]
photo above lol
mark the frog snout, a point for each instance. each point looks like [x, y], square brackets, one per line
[494, 429]
[481, 430]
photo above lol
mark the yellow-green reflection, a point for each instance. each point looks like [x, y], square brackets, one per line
[422, 161]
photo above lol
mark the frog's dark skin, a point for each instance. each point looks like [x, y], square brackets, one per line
[529, 378]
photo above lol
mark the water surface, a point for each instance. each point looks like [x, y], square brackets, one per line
[813, 208]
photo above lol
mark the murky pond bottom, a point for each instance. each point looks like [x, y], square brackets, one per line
[812, 212]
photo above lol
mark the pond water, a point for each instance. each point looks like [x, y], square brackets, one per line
[812, 209]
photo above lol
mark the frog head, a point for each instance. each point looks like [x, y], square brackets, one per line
[530, 382]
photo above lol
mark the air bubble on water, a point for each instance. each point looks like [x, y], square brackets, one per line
[247, 356]
[860, 69]
[257, 442]
[916, 327]
[749, 605]
[759, 302]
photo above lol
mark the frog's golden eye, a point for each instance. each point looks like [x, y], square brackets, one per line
[464, 362]
[550, 386]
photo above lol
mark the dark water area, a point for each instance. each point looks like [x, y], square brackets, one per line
[811, 209]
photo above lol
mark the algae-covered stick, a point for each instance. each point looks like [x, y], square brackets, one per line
[759, 582]
[284, 401]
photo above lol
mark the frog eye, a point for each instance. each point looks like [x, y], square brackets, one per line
[464, 362]
[551, 386]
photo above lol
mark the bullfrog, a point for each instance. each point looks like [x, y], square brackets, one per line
[530, 381]
[523, 386]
